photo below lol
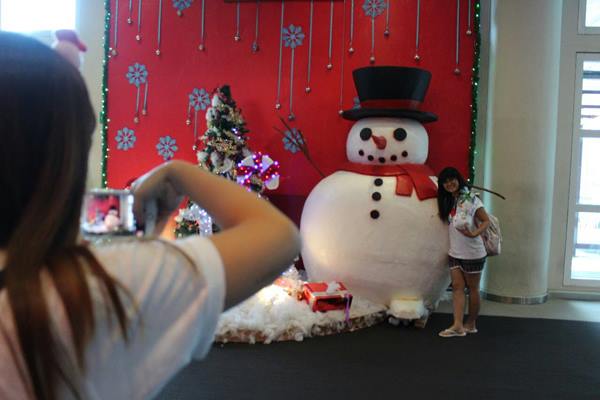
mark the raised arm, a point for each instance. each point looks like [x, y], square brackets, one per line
[257, 241]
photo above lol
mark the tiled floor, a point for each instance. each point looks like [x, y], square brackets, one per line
[554, 308]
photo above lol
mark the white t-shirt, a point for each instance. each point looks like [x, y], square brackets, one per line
[179, 306]
[463, 216]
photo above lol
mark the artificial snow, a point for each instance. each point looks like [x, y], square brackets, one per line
[272, 315]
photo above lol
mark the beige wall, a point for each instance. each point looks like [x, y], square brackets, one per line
[90, 25]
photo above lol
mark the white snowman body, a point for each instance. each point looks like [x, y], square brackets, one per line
[387, 248]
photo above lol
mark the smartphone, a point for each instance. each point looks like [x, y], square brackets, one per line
[108, 213]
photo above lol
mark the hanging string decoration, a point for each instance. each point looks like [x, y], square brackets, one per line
[386, 32]
[166, 147]
[342, 57]
[258, 172]
[138, 35]
[307, 89]
[277, 99]
[237, 36]
[125, 139]
[255, 46]
[137, 75]
[468, 32]
[198, 100]
[373, 9]
[417, 56]
[351, 43]
[330, 48]
[181, 5]
[293, 37]
[113, 50]
[457, 52]
[159, 28]
[129, 10]
[202, 45]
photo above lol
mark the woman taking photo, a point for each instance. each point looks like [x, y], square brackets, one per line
[463, 211]
[111, 322]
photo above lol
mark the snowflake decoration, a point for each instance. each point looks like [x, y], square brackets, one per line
[293, 36]
[125, 139]
[292, 140]
[199, 99]
[137, 74]
[374, 8]
[167, 146]
[356, 105]
[181, 5]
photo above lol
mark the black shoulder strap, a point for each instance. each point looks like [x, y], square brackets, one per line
[1, 279]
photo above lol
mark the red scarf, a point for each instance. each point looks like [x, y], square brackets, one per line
[408, 176]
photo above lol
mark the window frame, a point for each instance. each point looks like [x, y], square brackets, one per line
[576, 153]
[582, 29]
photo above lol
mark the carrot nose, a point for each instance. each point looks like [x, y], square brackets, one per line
[380, 142]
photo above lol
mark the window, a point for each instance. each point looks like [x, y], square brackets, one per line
[37, 17]
[583, 245]
[589, 16]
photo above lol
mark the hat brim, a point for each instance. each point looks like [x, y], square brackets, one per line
[359, 113]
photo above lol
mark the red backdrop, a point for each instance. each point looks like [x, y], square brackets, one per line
[253, 78]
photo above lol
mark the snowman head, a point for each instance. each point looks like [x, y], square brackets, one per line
[387, 141]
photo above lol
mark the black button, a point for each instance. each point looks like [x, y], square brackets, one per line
[370, 158]
[382, 160]
[361, 153]
[378, 182]
[376, 196]
[404, 153]
[394, 157]
[400, 134]
[374, 214]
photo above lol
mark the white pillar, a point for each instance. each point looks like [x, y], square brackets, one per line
[520, 144]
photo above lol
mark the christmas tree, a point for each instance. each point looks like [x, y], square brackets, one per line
[222, 150]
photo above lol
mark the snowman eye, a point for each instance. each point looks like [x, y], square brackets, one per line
[400, 134]
[365, 134]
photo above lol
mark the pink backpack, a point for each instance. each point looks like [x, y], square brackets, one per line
[492, 237]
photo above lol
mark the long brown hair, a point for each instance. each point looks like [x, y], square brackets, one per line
[46, 126]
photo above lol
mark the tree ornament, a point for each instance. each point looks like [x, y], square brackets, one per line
[113, 52]
[201, 47]
[340, 112]
[417, 57]
[456, 71]
[130, 8]
[129, 21]
[157, 52]
[138, 37]
[136, 119]
[277, 106]
[342, 56]
[386, 32]
[291, 117]
[469, 32]
[258, 167]
[329, 66]
[188, 122]
[372, 59]
[351, 50]
[236, 38]
[116, 29]
[307, 89]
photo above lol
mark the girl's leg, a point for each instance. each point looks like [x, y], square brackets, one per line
[472, 281]
[458, 298]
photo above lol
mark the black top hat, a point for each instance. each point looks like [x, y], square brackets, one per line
[391, 92]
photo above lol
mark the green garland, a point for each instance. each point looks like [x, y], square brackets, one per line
[104, 110]
[475, 91]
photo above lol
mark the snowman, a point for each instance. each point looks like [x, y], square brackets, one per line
[374, 224]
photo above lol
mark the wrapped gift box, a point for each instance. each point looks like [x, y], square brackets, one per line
[327, 296]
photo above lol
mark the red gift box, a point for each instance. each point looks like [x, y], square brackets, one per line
[327, 296]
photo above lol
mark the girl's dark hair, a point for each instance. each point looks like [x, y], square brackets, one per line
[444, 198]
[46, 126]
